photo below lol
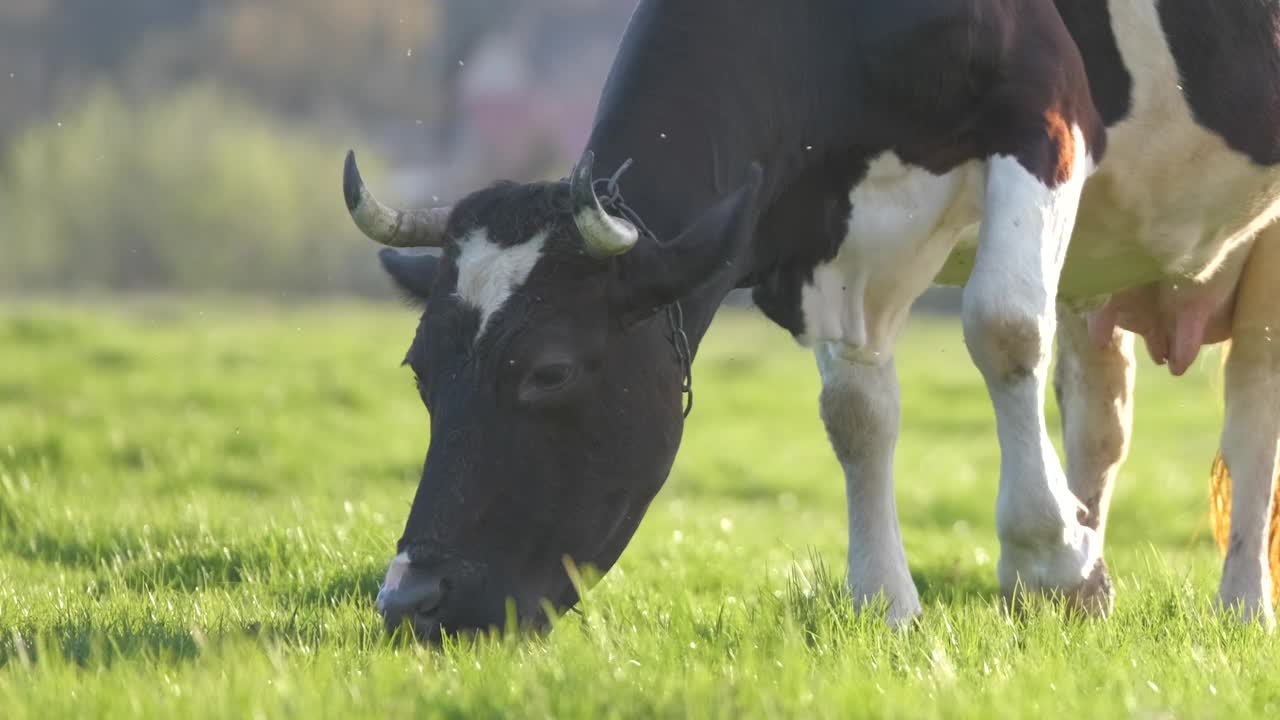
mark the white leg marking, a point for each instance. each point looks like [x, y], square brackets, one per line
[861, 409]
[1009, 325]
[1251, 433]
[1094, 385]
[488, 273]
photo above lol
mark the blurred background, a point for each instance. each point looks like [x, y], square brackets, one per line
[197, 145]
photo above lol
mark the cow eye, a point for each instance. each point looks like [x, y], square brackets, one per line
[552, 377]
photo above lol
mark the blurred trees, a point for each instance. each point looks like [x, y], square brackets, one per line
[196, 191]
[198, 143]
[333, 61]
[385, 65]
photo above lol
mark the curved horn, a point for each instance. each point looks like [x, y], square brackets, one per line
[389, 226]
[603, 234]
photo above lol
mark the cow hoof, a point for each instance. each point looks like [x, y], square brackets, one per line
[1031, 571]
[1092, 598]
[903, 618]
[1248, 608]
[1096, 596]
[900, 611]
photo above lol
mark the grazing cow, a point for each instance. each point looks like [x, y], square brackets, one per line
[1117, 160]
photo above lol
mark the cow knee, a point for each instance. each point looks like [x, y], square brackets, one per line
[860, 410]
[1008, 341]
[1096, 419]
[1106, 443]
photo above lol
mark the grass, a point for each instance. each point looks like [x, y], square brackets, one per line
[197, 503]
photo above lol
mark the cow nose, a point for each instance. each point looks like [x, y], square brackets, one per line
[414, 595]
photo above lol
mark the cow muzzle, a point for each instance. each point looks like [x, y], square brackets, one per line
[413, 595]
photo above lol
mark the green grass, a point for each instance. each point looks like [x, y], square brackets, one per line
[197, 503]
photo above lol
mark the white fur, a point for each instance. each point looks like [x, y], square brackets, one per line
[1009, 324]
[395, 575]
[861, 409]
[1095, 394]
[1251, 434]
[488, 273]
[904, 223]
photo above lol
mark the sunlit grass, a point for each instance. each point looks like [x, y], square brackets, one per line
[197, 502]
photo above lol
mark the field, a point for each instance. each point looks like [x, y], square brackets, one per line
[198, 500]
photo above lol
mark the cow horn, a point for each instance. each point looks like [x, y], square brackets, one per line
[389, 226]
[604, 235]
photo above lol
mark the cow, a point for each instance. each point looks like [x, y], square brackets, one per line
[1089, 170]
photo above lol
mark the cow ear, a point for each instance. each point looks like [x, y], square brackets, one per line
[655, 274]
[415, 274]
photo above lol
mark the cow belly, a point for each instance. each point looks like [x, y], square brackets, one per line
[904, 223]
[1091, 272]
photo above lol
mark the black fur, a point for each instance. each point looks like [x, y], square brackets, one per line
[414, 274]
[1228, 54]
[1110, 84]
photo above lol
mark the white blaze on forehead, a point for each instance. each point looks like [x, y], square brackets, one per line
[395, 575]
[488, 273]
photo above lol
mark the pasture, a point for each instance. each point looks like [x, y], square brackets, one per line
[198, 500]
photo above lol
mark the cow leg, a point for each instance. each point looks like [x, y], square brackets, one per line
[861, 409]
[1009, 325]
[1093, 382]
[1251, 433]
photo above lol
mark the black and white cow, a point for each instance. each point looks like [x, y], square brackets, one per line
[1118, 160]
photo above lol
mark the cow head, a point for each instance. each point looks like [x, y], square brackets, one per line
[552, 384]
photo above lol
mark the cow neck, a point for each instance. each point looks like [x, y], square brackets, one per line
[694, 115]
[667, 208]
[670, 189]
[692, 131]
